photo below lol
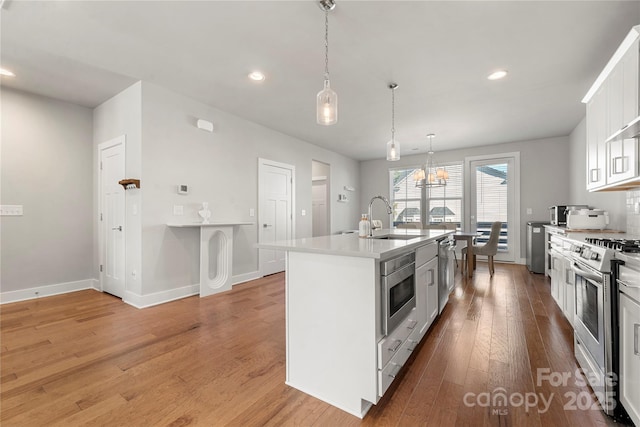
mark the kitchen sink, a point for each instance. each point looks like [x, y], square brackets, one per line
[395, 237]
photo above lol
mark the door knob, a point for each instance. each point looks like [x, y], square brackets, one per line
[119, 228]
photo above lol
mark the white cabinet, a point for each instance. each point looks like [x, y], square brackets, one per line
[426, 285]
[630, 357]
[427, 294]
[569, 284]
[557, 285]
[613, 161]
[622, 154]
[596, 135]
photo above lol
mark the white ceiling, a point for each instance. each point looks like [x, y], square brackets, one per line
[439, 53]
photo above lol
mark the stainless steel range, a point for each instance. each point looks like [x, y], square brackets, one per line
[594, 321]
[607, 275]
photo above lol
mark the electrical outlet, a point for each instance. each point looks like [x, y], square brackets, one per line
[529, 211]
[178, 210]
[11, 210]
[304, 212]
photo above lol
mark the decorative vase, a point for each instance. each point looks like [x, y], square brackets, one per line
[205, 213]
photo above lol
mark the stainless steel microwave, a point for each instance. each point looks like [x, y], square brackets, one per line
[558, 213]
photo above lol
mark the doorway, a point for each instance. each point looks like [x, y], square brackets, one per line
[112, 216]
[320, 196]
[276, 184]
[493, 196]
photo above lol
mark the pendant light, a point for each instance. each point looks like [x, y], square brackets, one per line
[431, 176]
[327, 99]
[393, 146]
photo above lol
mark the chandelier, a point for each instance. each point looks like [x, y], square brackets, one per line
[430, 176]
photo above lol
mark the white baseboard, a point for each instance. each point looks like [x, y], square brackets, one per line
[48, 290]
[246, 277]
[138, 301]
[156, 298]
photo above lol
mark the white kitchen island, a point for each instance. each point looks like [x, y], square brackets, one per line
[335, 342]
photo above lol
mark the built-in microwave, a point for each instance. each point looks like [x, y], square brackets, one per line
[398, 290]
[558, 213]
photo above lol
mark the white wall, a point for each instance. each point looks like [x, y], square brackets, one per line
[544, 176]
[122, 115]
[46, 167]
[612, 201]
[221, 168]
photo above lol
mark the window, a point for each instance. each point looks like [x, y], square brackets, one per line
[443, 204]
[405, 196]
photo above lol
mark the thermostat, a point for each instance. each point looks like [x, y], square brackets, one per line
[183, 189]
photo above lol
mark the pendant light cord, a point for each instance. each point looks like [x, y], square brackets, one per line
[326, 44]
[393, 115]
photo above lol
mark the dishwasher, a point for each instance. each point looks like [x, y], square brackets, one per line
[446, 270]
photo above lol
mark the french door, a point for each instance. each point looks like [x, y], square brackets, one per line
[494, 184]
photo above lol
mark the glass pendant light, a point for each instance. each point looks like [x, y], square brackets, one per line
[431, 176]
[393, 146]
[327, 99]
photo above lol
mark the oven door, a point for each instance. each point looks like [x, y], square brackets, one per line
[589, 311]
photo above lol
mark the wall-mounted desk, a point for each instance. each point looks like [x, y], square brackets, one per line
[221, 234]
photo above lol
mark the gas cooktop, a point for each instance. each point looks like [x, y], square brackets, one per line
[619, 245]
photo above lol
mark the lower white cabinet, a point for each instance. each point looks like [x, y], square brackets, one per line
[426, 294]
[630, 357]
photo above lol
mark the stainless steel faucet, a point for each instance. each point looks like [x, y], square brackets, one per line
[389, 211]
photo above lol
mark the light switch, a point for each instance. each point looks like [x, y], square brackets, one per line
[252, 212]
[11, 210]
[178, 210]
[134, 209]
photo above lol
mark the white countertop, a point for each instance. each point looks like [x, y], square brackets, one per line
[211, 224]
[583, 234]
[352, 245]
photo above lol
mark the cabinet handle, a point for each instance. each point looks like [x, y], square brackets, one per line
[636, 332]
[618, 164]
[118, 228]
[412, 324]
[412, 346]
[395, 370]
[397, 343]
[433, 275]
[594, 175]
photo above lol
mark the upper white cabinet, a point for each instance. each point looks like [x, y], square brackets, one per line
[612, 108]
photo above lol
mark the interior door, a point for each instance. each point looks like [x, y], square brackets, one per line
[276, 212]
[112, 214]
[319, 214]
[493, 197]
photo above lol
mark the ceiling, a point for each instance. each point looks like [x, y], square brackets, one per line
[439, 54]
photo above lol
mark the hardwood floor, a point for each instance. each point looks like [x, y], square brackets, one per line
[86, 358]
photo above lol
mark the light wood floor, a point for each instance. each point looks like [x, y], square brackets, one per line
[86, 358]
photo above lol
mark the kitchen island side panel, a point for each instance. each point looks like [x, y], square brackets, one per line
[332, 317]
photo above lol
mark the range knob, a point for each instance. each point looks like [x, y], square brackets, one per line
[594, 256]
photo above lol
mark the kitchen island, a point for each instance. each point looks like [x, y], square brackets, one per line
[337, 348]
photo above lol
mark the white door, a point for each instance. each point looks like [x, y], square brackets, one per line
[493, 197]
[275, 188]
[112, 208]
[319, 214]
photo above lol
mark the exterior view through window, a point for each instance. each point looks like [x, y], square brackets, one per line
[411, 203]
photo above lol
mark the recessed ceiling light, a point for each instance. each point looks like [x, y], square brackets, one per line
[4, 72]
[256, 76]
[497, 75]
